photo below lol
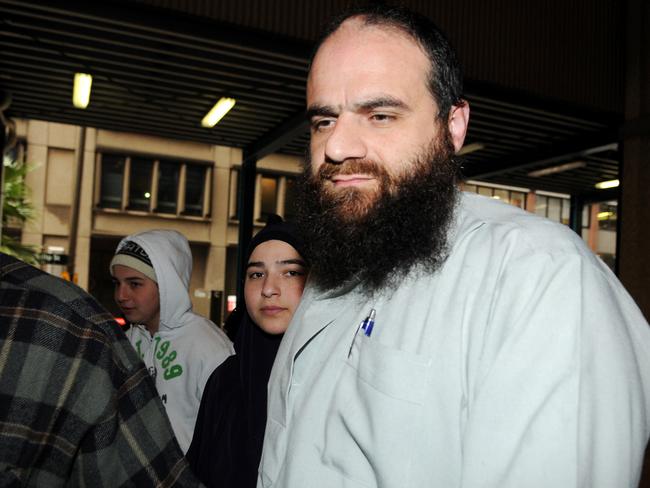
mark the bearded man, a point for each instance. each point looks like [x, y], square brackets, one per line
[444, 339]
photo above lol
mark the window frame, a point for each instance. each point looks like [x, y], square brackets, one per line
[280, 198]
[181, 191]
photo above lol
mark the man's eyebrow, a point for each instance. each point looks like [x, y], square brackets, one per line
[320, 110]
[381, 102]
[367, 105]
[255, 264]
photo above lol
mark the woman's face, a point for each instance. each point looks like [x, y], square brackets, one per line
[275, 278]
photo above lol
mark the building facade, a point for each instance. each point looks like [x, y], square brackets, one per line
[91, 187]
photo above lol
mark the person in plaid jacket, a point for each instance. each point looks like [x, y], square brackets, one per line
[77, 406]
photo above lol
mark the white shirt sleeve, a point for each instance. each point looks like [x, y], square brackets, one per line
[559, 398]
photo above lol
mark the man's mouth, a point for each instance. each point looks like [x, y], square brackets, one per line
[342, 181]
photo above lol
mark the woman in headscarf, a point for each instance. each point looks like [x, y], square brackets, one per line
[227, 443]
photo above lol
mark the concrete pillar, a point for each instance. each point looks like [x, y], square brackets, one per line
[37, 143]
[634, 228]
[86, 205]
[634, 249]
[531, 201]
[216, 259]
[2, 167]
[592, 235]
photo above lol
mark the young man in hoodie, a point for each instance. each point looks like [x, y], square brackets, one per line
[151, 272]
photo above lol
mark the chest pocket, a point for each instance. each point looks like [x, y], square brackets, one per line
[372, 430]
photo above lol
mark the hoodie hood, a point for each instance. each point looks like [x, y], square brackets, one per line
[171, 259]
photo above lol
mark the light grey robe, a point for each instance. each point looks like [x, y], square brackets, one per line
[522, 362]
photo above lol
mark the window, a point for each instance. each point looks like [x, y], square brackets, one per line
[586, 216]
[468, 188]
[274, 194]
[503, 195]
[233, 203]
[269, 197]
[168, 176]
[541, 205]
[291, 199]
[141, 184]
[599, 229]
[566, 212]
[554, 207]
[112, 181]
[557, 209]
[195, 182]
[518, 199]
[607, 215]
[513, 197]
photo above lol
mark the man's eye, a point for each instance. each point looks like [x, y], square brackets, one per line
[382, 117]
[255, 275]
[321, 124]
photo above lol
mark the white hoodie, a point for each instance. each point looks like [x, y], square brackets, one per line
[187, 347]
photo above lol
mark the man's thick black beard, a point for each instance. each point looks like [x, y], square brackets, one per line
[406, 226]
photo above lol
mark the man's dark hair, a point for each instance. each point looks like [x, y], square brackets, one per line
[445, 73]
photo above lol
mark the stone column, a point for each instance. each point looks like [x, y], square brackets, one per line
[634, 227]
[634, 239]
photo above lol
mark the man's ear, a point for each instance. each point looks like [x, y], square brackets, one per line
[458, 121]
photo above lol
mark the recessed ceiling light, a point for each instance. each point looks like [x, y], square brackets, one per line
[557, 169]
[221, 108]
[604, 185]
[81, 90]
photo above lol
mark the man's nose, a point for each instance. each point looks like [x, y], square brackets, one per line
[270, 287]
[345, 141]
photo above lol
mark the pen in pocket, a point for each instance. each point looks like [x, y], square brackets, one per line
[366, 324]
[369, 323]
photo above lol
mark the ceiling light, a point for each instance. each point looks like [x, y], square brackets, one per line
[221, 108]
[603, 185]
[605, 215]
[81, 90]
[557, 169]
[470, 148]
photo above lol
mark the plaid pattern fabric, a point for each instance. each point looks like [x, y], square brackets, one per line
[77, 407]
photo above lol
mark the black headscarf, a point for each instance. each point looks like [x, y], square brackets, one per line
[227, 443]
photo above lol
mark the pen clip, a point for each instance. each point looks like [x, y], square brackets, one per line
[366, 324]
[369, 323]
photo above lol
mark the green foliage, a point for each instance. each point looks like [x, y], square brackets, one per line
[16, 210]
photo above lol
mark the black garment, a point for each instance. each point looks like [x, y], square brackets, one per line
[227, 443]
